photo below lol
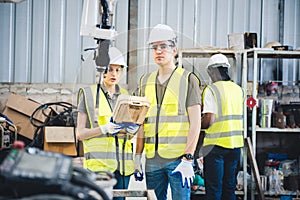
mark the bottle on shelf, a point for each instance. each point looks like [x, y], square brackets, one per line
[280, 119]
[266, 108]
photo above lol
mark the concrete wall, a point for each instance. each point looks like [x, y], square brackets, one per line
[42, 93]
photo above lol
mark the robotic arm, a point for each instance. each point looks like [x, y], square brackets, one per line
[105, 15]
[89, 19]
[102, 33]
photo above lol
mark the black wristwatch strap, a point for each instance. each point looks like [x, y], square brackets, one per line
[188, 156]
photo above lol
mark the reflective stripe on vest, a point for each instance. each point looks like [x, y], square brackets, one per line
[227, 129]
[100, 151]
[170, 120]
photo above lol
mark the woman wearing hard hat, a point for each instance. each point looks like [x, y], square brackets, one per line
[104, 149]
[172, 125]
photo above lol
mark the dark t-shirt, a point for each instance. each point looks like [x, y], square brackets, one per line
[194, 92]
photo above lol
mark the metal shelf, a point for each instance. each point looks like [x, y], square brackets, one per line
[206, 52]
[278, 130]
[257, 54]
[269, 53]
[244, 55]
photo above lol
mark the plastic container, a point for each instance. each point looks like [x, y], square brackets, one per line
[266, 108]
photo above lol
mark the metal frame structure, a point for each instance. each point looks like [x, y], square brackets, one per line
[257, 54]
[245, 55]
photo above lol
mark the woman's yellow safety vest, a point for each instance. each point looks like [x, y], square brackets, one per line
[227, 129]
[100, 152]
[166, 126]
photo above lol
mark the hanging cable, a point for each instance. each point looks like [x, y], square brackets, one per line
[63, 118]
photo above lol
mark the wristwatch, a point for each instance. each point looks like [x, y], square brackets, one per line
[188, 156]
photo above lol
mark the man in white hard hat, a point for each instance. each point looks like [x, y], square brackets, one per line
[223, 103]
[104, 149]
[172, 125]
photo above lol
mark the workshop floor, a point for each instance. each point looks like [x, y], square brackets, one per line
[137, 185]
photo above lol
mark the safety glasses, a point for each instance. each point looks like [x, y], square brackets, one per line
[162, 46]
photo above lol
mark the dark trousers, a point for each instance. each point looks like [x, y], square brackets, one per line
[121, 183]
[220, 166]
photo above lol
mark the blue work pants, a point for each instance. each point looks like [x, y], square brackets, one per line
[220, 166]
[120, 183]
[160, 177]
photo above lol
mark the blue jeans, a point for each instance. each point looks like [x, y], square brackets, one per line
[120, 183]
[220, 166]
[161, 177]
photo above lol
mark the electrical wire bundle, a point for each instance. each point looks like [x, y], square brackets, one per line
[66, 117]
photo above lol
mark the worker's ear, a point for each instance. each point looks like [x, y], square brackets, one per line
[175, 51]
[208, 70]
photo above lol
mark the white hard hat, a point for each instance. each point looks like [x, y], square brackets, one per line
[116, 57]
[162, 32]
[218, 60]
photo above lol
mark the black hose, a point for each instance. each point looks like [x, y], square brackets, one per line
[43, 107]
[38, 138]
[105, 15]
[86, 182]
[123, 161]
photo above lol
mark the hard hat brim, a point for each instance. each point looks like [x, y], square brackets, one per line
[219, 65]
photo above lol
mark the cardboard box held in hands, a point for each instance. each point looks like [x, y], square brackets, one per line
[131, 109]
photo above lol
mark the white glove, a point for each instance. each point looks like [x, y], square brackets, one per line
[138, 172]
[111, 128]
[200, 164]
[132, 128]
[185, 168]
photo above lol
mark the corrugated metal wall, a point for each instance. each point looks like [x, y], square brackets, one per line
[40, 39]
[207, 23]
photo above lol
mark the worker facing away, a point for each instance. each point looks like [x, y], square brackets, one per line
[223, 103]
[104, 148]
[171, 129]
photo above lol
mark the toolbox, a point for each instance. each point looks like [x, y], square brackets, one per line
[131, 109]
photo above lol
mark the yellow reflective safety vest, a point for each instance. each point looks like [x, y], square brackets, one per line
[100, 153]
[227, 129]
[166, 126]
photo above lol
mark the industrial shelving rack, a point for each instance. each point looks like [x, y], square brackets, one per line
[207, 53]
[243, 56]
[256, 54]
